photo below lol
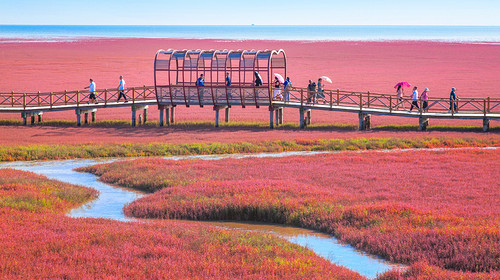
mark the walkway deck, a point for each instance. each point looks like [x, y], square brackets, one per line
[364, 104]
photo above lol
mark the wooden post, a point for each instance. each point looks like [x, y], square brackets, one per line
[331, 99]
[12, 98]
[301, 116]
[226, 119]
[281, 115]
[86, 118]
[368, 99]
[486, 124]
[338, 97]
[32, 119]
[144, 93]
[133, 116]
[161, 114]
[105, 96]
[421, 109]
[271, 117]
[77, 98]
[277, 116]
[308, 117]
[23, 115]
[216, 116]
[65, 97]
[24, 101]
[78, 117]
[172, 114]
[390, 104]
[133, 95]
[488, 104]
[93, 116]
[360, 102]
[145, 113]
[39, 118]
[140, 119]
[167, 116]
[39, 100]
[301, 97]
[484, 107]
[51, 100]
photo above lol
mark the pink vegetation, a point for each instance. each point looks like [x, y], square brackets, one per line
[39, 242]
[404, 206]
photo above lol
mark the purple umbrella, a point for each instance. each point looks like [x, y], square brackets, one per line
[403, 84]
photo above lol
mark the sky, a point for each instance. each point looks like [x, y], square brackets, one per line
[258, 12]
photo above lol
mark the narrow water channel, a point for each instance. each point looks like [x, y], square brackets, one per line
[112, 199]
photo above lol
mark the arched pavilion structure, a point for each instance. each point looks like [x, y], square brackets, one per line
[176, 73]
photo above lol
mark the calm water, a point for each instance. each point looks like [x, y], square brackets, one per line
[362, 33]
[111, 201]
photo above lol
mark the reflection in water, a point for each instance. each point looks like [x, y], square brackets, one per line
[112, 199]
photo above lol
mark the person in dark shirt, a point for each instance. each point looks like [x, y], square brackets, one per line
[453, 98]
[311, 92]
[258, 80]
[228, 84]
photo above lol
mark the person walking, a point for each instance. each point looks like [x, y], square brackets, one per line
[121, 90]
[425, 98]
[400, 96]
[311, 92]
[228, 84]
[287, 86]
[414, 99]
[258, 80]
[320, 93]
[277, 91]
[453, 99]
[92, 95]
[201, 83]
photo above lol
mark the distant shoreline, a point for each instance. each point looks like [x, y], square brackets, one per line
[453, 34]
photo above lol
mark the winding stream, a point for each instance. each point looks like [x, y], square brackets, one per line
[112, 199]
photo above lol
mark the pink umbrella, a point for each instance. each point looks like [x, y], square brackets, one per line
[403, 84]
[280, 78]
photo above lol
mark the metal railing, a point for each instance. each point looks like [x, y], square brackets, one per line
[73, 98]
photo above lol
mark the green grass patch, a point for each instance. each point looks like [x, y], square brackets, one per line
[49, 152]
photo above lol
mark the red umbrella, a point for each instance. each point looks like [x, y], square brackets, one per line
[403, 84]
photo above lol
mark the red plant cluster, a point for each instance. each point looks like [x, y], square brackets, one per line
[404, 206]
[38, 242]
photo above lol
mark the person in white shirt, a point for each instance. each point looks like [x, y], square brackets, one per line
[92, 95]
[414, 99]
[121, 90]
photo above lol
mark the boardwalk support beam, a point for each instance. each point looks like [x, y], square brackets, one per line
[136, 108]
[226, 119]
[364, 121]
[86, 112]
[271, 117]
[160, 108]
[486, 124]
[167, 115]
[423, 123]
[31, 115]
[308, 117]
[301, 117]
[281, 115]
[172, 114]
[217, 108]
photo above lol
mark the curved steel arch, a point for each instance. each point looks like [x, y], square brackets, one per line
[212, 62]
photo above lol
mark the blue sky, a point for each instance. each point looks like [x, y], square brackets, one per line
[234, 12]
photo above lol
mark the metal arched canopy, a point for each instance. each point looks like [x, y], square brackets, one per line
[182, 68]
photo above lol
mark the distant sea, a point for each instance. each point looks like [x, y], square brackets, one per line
[479, 34]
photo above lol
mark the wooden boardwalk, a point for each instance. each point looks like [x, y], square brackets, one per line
[365, 104]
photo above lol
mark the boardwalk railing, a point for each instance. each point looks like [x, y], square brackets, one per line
[74, 99]
[388, 103]
[188, 94]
